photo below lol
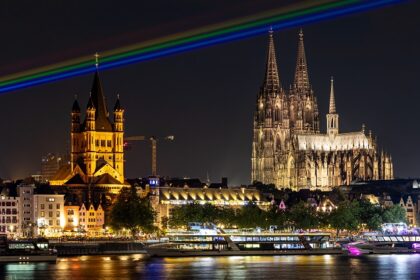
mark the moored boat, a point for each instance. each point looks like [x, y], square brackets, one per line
[31, 250]
[394, 239]
[218, 242]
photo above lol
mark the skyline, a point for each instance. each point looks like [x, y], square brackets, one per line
[205, 115]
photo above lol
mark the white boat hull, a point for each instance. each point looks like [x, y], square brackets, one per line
[161, 252]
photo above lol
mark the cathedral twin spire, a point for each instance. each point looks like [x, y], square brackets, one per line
[272, 80]
[298, 110]
[301, 104]
[301, 73]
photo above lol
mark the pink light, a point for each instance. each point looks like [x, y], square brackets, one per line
[416, 246]
[354, 251]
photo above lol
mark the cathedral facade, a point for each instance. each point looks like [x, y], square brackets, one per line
[97, 145]
[288, 147]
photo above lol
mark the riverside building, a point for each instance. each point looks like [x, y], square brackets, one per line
[48, 214]
[9, 215]
[164, 199]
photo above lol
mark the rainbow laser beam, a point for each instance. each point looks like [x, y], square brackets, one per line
[118, 58]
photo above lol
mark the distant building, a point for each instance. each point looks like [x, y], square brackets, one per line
[91, 218]
[50, 164]
[288, 147]
[411, 210]
[48, 214]
[72, 218]
[326, 205]
[9, 215]
[26, 208]
[164, 199]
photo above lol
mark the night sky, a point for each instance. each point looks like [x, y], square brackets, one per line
[206, 97]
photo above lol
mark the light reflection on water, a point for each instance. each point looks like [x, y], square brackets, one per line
[246, 267]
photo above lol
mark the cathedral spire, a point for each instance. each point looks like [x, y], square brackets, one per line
[332, 116]
[301, 73]
[332, 98]
[271, 80]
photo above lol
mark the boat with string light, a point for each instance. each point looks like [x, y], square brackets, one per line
[208, 240]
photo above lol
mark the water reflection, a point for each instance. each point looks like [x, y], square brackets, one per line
[249, 267]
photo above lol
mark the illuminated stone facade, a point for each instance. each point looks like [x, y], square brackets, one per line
[164, 199]
[97, 146]
[288, 148]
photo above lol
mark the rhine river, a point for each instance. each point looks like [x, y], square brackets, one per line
[264, 267]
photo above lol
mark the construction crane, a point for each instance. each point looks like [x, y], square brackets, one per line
[153, 141]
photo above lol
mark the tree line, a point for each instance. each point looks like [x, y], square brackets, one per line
[351, 216]
[135, 214]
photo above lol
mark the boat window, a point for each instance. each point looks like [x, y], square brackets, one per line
[399, 238]
[386, 238]
[20, 246]
[393, 238]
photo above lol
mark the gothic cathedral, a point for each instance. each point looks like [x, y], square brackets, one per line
[288, 148]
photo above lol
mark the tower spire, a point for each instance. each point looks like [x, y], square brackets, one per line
[332, 116]
[301, 73]
[332, 98]
[271, 80]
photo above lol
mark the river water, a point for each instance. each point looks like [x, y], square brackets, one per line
[258, 267]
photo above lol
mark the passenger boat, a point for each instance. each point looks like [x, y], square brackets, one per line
[400, 240]
[384, 244]
[35, 250]
[218, 242]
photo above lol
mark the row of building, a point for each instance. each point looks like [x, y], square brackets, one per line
[24, 213]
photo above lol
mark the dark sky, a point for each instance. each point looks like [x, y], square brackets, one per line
[205, 97]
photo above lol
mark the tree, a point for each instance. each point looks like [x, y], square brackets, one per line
[207, 213]
[370, 215]
[132, 212]
[250, 216]
[277, 217]
[346, 216]
[394, 214]
[304, 216]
